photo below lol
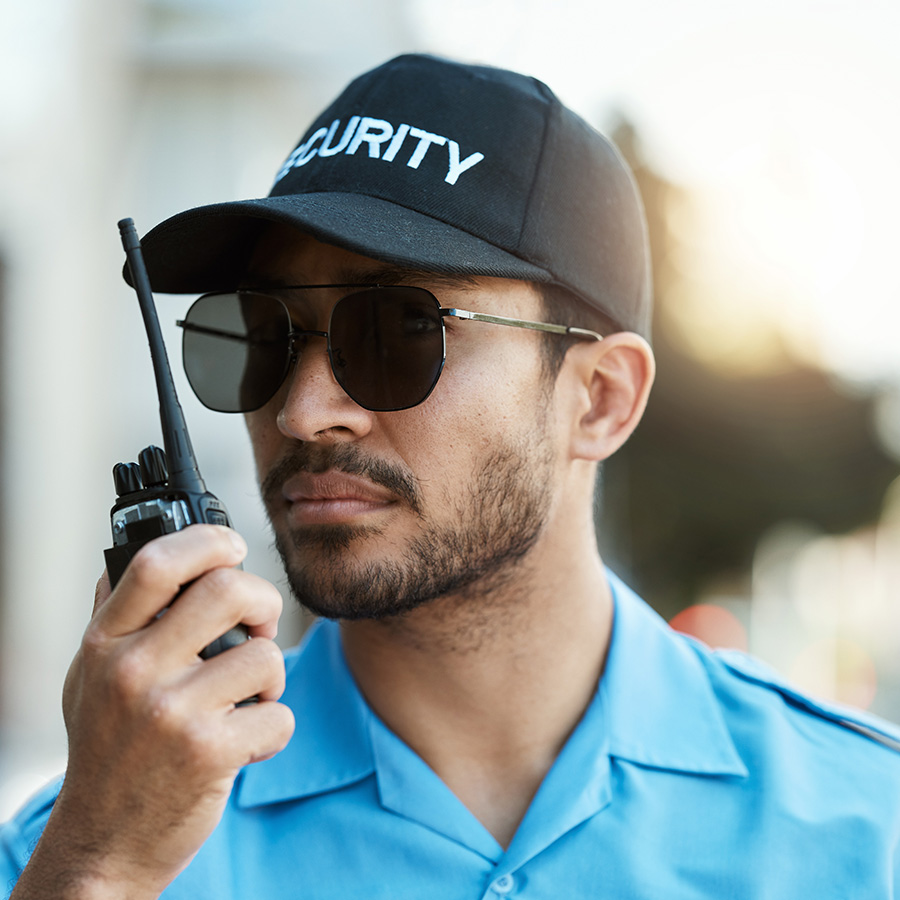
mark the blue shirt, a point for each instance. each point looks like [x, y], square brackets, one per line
[692, 774]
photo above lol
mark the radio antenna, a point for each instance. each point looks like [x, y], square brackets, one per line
[182, 465]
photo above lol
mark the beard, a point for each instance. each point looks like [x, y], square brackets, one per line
[490, 528]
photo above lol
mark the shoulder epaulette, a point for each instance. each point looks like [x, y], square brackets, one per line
[872, 727]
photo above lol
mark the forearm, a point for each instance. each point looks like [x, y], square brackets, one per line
[62, 869]
[48, 880]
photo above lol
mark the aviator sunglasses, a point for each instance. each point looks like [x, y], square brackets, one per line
[386, 345]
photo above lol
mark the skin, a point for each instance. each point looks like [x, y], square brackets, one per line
[485, 681]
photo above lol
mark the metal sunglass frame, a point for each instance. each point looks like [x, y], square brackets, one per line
[443, 312]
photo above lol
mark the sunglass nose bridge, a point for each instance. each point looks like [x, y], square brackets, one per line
[296, 341]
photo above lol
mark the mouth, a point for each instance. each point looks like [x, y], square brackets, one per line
[333, 498]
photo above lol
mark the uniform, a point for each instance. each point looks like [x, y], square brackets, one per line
[692, 774]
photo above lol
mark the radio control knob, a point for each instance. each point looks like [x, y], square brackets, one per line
[127, 477]
[154, 470]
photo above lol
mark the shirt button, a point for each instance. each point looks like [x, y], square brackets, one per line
[504, 884]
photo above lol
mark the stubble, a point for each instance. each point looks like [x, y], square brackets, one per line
[472, 553]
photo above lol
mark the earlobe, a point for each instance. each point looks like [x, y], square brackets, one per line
[613, 380]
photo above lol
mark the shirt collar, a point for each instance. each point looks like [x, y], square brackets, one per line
[655, 699]
[661, 707]
[331, 747]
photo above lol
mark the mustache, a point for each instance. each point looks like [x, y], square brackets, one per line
[346, 458]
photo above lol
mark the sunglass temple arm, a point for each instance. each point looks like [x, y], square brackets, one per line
[523, 323]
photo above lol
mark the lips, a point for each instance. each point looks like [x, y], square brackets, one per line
[333, 497]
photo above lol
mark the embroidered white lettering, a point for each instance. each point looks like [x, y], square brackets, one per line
[373, 139]
[300, 156]
[426, 139]
[289, 163]
[456, 167]
[309, 153]
[394, 146]
[326, 149]
[378, 134]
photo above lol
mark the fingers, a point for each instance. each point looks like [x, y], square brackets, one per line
[270, 724]
[254, 668]
[143, 650]
[138, 699]
[214, 603]
[202, 744]
[159, 569]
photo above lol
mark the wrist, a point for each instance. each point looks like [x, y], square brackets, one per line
[43, 881]
[64, 867]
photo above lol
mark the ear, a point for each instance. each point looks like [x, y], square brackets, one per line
[610, 383]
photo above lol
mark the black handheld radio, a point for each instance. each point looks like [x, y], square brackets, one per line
[164, 491]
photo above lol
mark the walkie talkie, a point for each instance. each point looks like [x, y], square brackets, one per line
[164, 491]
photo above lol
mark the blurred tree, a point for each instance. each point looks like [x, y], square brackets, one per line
[718, 459]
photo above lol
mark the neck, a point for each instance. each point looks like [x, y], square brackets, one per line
[486, 688]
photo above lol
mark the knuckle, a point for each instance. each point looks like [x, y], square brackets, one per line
[268, 652]
[267, 662]
[229, 538]
[283, 725]
[267, 599]
[163, 710]
[131, 674]
[273, 730]
[150, 564]
[199, 745]
[247, 595]
[226, 540]
[273, 597]
[285, 722]
[257, 666]
[176, 725]
[222, 580]
[258, 655]
[94, 641]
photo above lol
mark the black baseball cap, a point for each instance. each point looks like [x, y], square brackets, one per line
[445, 167]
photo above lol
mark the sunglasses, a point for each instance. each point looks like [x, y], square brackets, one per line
[386, 345]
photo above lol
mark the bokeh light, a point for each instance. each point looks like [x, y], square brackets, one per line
[716, 626]
[836, 669]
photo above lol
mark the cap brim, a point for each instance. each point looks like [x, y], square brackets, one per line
[208, 248]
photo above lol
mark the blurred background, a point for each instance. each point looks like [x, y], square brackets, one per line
[758, 504]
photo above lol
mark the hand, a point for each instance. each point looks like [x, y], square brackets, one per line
[155, 738]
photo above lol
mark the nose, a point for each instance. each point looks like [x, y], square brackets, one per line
[315, 406]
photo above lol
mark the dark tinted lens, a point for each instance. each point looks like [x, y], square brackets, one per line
[387, 346]
[236, 350]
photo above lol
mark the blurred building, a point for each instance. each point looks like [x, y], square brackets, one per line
[112, 108]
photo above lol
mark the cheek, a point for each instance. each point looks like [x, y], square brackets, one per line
[480, 400]
[436, 443]
[262, 427]
[496, 382]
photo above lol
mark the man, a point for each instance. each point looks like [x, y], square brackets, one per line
[492, 713]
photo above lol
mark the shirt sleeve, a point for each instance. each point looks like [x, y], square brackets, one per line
[19, 836]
